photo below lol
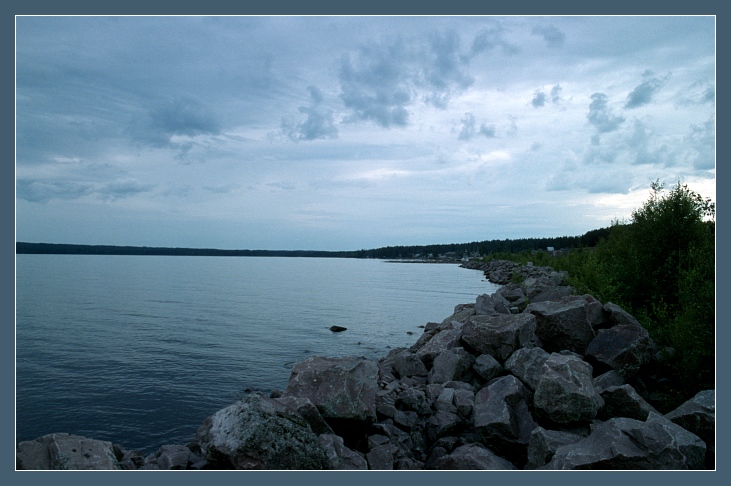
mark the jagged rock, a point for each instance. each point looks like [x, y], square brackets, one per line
[605, 380]
[624, 348]
[595, 313]
[339, 456]
[381, 457]
[173, 456]
[442, 424]
[445, 401]
[543, 444]
[442, 341]
[527, 364]
[499, 335]
[340, 388]
[562, 325]
[462, 312]
[698, 415]
[408, 364]
[565, 392]
[484, 305]
[258, 432]
[487, 367]
[308, 411]
[450, 365]
[464, 400]
[472, 457]
[616, 316]
[502, 418]
[66, 451]
[412, 399]
[624, 443]
[623, 401]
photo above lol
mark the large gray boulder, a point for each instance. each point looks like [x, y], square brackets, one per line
[66, 451]
[543, 444]
[624, 348]
[258, 432]
[340, 388]
[440, 342]
[624, 401]
[407, 363]
[499, 335]
[472, 457]
[562, 325]
[340, 457]
[487, 367]
[698, 415]
[450, 365]
[565, 392]
[624, 443]
[502, 418]
[527, 364]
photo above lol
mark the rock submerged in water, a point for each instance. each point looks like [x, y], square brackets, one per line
[500, 384]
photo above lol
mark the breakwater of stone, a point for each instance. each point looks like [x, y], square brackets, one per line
[530, 377]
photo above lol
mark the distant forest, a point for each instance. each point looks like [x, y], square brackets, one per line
[482, 248]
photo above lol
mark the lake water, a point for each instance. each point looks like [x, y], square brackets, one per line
[139, 350]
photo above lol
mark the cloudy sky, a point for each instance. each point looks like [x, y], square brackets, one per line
[341, 133]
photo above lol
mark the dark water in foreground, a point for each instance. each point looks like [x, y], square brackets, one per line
[139, 350]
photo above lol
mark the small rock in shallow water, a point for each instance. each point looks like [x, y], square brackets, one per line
[338, 329]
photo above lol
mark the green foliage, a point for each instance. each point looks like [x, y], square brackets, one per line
[660, 267]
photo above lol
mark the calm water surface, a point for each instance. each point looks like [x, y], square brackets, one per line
[139, 350]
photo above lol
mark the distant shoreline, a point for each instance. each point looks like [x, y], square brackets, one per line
[71, 249]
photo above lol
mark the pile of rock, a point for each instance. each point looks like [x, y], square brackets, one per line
[530, 377]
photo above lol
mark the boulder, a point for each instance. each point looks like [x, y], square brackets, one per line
[340, 388]
[472, 457]
[565, 392]
[502, 418]
[484, 305]
[543, 444]
[340, 457]
[527, 364]
[625, 443]
[562, 325]
[308, 411]
[698, 415]
[381, 457]
[173, 456]
[66, 451]
[595, 313]
[338, 328]
[487, 367]
[408, 364]
[441, 341]
[623, 401]
[450, 365]
[624, 348]
[258, 432]
[605, 380]
[413, 399]
[499, 335]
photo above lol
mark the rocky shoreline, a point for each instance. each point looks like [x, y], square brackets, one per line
[530, 377]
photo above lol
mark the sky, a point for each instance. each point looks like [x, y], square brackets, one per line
[343, 133]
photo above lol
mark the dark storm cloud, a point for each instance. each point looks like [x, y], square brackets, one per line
[445, 69]
[318, 124]
[41, 191]
[601, 116]
[539, 99]
[375, 85]
[381, 80]
[551, 34]
[123, 188]
[643, 93]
